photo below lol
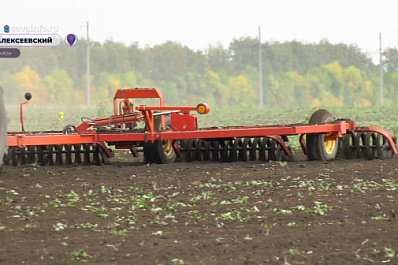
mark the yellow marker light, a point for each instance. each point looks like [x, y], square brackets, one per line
[203, 108]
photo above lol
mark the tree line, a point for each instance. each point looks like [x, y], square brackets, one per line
[294, 73]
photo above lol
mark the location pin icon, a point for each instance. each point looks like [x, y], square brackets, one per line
[70, 39]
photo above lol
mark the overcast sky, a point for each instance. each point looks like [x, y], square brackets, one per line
[198, 23]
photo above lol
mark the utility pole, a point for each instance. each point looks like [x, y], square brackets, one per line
[260, 69]
[381, 75]
[88, 69]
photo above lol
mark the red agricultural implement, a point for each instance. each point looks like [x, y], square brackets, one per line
[169, 132]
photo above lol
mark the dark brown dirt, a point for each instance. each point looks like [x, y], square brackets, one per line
[341, 212]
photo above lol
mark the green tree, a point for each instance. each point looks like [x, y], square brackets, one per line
[28, 79]
[218, 58]
[13, 91]
[353, 81]
[244, 51]
[242, 92]
[391, 60]
[214, 91]
[59, 88]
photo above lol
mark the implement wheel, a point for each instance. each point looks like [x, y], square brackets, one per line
[319, 147]
[160, 152]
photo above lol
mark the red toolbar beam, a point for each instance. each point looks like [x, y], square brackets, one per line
[336, 129]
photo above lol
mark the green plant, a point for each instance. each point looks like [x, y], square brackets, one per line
[79, 255]
[194, 214]
[389, 252]
[177, 261]
[283, 163]
[159, 233]
[282, 211]
[12, 192]
[59, 226]
[380, 217]
[243, 199]
[101, 215]
[122, 232]
[73, 196]
[234, 215]
[220, 240]
[321, 209]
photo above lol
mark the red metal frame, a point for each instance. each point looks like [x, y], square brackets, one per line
[136, 93]
[184, 126]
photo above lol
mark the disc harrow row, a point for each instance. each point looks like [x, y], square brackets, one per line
[233, 150]
[51, 155]
[367, 145]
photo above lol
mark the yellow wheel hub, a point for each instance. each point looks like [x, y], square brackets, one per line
[329, 145]
[168, 147]
[168, 144]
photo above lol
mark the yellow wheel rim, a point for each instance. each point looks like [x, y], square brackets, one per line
[168, 147]
[168, 144]
[329, 146]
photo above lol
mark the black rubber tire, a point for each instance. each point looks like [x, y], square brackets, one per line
[316, 149]
[312, 141]
[155, 152]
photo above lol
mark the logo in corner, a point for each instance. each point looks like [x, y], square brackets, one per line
[6, 29]
[71, 40]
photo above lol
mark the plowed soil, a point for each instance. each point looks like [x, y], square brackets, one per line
[339, 212]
